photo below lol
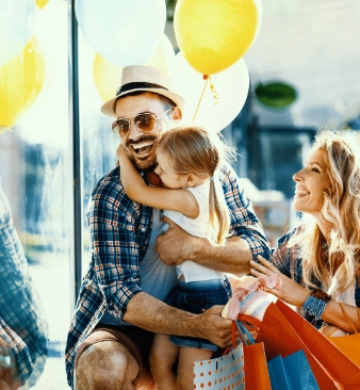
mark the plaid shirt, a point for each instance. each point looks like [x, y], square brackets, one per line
[120, 231]
[23, 330]
[290, 264]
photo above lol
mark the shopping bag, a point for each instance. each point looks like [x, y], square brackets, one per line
[292, 373]
[284, 332]
[349, 344]
[224, 372]
[344, 372]
[256, 370]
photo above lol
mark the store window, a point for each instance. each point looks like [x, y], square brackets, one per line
[54, 146]
[36, 161]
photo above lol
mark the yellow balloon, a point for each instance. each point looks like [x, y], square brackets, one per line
[21, 80]
[106, 76]
[164, 55]
[214, 34]
[41, 3]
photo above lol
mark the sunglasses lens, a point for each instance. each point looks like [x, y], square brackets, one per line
[145, 122]
[123, 125]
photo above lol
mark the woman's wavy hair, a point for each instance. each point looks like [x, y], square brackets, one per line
[342, 209]
[193, 149]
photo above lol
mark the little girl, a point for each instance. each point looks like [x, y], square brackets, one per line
[188, 163]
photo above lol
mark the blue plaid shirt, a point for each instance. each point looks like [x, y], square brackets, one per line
[23, 329]
[120, 231]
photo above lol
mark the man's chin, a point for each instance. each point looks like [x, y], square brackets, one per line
[144, 164]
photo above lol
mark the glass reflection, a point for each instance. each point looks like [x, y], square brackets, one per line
[36, 170]
[23, 327]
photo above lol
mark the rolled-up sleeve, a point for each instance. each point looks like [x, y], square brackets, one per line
[115, 247]
[244, 222]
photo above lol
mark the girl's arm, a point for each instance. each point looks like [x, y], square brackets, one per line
[179, 200]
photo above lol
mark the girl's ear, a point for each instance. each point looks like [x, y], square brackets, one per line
[191, 180]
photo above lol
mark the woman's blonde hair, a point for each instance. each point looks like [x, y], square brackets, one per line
[342, 209]
[194, 150]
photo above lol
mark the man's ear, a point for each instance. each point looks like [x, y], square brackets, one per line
[176, 113]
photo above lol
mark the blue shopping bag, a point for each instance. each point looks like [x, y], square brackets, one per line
[292, 373]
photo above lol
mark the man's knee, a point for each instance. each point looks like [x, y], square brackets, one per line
[4, 385]
[106, 365]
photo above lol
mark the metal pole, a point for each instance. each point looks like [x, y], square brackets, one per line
[74, 118]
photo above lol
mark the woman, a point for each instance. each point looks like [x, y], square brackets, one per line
[319, 261]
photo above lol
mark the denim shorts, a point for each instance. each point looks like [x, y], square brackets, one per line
[196, 297]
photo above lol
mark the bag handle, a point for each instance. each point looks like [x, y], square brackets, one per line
[245, 335]
[245, 318]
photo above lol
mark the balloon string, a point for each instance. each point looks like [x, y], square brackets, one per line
[207, 80]
[213, 90]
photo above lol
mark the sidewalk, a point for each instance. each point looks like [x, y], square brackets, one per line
[51, 279]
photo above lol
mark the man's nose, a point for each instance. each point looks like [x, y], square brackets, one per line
[134, 131]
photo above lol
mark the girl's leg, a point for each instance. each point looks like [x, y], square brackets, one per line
[187, 357]
[162, 358]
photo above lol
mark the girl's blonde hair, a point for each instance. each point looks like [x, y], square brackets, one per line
[342, 209]
[194, 150]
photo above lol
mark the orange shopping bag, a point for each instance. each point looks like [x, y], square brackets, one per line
[255, 365]
[284, 332]
[343, 371]
[350, 344]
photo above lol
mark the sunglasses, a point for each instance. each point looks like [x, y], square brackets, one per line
[145, 121]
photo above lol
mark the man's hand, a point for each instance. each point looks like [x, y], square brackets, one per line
[148, 312]
[214, 327]
[174, 246]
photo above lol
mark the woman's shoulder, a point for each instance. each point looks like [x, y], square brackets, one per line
[288, 235]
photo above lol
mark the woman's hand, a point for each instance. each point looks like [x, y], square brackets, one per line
[289, 291]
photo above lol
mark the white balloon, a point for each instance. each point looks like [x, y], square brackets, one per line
[214, 107]
[164, 55]
[125, 32]
[13, 37]
[258, 4]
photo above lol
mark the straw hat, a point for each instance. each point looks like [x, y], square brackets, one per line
[142, 78]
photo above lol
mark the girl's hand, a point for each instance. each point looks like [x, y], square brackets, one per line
[121, 152]
[289, 291]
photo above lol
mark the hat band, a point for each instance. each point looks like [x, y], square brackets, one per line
[138, 85]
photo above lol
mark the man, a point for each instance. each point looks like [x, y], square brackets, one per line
[121, 299]
[23, 329]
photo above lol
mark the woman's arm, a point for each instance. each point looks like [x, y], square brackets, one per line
[179, 200]
[294, 294]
